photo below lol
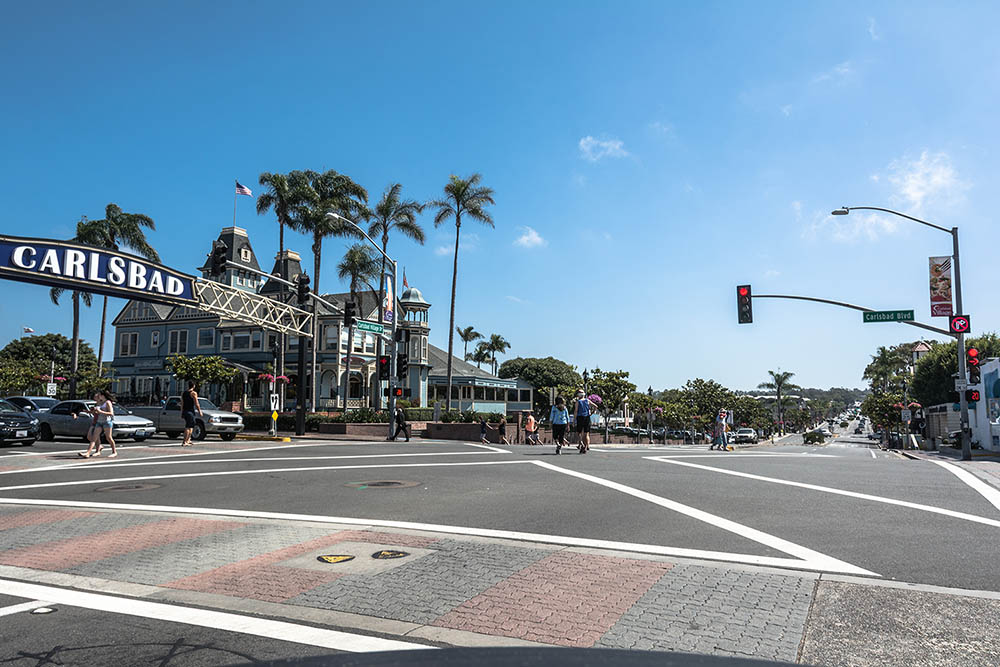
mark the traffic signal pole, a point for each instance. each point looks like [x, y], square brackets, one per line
[962, 368]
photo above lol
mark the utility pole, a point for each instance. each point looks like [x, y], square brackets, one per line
[963, 372]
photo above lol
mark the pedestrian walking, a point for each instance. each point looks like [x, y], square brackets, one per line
[559, 417]
[189, 406]
[581, 416]
[483, 427]
[105, 411]
[721, 440]
[502, 431]
[531, 430]
[401, 426]
[93, 432]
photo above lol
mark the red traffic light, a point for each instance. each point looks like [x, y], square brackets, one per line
[744, 291]
[973, 352]
[972, 356]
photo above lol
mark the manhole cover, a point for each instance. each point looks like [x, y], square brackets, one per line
[383, 484]
[128, 487]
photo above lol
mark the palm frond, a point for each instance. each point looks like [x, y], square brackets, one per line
[55, 293]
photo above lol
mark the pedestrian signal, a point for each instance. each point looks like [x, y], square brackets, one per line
[971, 395]
[744, 304]
[383, 367]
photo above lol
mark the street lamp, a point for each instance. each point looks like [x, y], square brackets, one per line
[395, 317]
[962, 373]
[650, 393]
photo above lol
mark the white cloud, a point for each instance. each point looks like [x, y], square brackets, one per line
[858, 226]
[511, 297]
[467, 242]
[442, 250]
[837, 74]
[529, 238]
[592, 149]
[797, 208]
[786, 110]
[662, 129]
[873, 29]
[931, 177]
[579, 180]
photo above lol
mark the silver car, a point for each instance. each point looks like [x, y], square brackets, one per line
[72, 419]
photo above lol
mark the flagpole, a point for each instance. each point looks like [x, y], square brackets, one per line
[234, 205]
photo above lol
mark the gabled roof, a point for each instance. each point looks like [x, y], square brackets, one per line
[236, 239]
[159, 311]
[438, 359]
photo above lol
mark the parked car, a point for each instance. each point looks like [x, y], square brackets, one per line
[745, 435]
[875, 435]
[168, 419]
[32, 403]
[16, 425]
[72, 419]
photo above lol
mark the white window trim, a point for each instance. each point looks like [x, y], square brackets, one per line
[154, 338]
[133, 346]
[171, 349]
[198, 338]
[226, 342]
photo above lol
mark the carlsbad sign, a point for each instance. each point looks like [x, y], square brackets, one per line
[97, 270]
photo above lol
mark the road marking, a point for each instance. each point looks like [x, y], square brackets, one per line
[839, 492]
[206, 618]
[872, 452]
[655, 549]
[979, 486]
[220, 473]
[492, 449]
[24, 606]
[16, 454]
[268, 459]
[814, 558]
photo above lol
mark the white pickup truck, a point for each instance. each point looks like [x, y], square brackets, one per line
[168, 419]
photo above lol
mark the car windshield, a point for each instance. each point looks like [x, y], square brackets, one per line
[207, 404]
[44, 403]
[8, 407]
[121, 409]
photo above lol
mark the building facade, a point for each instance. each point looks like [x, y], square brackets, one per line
[146, 334]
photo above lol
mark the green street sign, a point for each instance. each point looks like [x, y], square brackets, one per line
[378, 328]
[887, 316]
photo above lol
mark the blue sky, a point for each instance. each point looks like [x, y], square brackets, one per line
[647, 157]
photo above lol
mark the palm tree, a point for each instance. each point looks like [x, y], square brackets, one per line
[84, 234]
[779, 382]
[360, 268]
[496, 344]
[329, 192]
[463, 197]
[283, 194]
[118, 230]
[468, 334]
[887, 366]
[394, 213]
[479, 356]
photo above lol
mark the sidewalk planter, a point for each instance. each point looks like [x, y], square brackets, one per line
[466, 432]
[377, 430]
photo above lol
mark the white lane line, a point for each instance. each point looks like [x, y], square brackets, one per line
[815, 558]
[24, 606]
[655, 549]
[731, 455]
[206, 618]
[221, 473]
[268, 459]
[19, 454]
[839, 492]
[872, 452]
[492, 449]
[979, 486]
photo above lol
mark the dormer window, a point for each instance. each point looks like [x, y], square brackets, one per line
[245, 254]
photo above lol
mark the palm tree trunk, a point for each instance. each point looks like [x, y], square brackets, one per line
[100, 346]
[281, 236]
[381, 310]
[317, 256]
[451, 321]
[75, 359]
[781, 420]
[347, 359]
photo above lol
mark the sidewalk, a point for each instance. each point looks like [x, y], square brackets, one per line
[985, 465]
[477, 591]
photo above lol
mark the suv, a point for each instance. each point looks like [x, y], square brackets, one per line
[745, 435]
[32, 403]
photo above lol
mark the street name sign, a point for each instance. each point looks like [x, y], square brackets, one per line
[373, 327]
[887, 316]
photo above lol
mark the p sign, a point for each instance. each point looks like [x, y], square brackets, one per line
[959, 324]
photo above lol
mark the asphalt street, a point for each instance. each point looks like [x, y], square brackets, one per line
[843, 508]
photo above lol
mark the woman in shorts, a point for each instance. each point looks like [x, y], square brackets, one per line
[559, 418]
[581, 415]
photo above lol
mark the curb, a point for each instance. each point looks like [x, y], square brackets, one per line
[263, 438]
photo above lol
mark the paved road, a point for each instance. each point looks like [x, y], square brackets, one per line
[494, 522]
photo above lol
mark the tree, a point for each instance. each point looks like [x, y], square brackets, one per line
[613, 387]
[201, 369]
[329, 192]
[394, 213]
[360, 268]
[887, 367]
[542, 374]
[468, 334]
[17, 376]
[82, 232]
[882, 408]
[463, 197]
[495, 344]
[118, 230]
[933, 380]
[704, 399]
[479, 356]
[282, 194]
[748, 411]
[779, 383]
[41, 350]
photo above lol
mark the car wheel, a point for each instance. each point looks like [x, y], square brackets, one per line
[46, 433]
[27, 443]
[198, 432]
[173, 434]
[140, 439]
[227, 436]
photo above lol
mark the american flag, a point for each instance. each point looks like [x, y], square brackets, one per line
[243, 190]
[405, 284]
[28, 330]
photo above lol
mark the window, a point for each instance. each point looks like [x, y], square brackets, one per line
[241, 340]
[343, 340]
[491, 394]
[154, 339]
[370, 343]
[129, 345]
[512, 395]
[415, 349]
[272, 341]
[526, 396]
[466, 393]
[330, 337]
[206, 337]
[293, 342]
[178, 342]
[423, 345]
[359, 342]
[245, 254]
[480, 394]
[227, 342]
[173, 404]
[255, 339]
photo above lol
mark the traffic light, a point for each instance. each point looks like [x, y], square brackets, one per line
[402, 359]
[303, 289]
[744, 304]
[971, 395]
[402, 335]
[383, 367]
[972, 360]
[217, 259]
[350, 314]
[398, 392]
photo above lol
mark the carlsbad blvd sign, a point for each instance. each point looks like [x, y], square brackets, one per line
[89, 269]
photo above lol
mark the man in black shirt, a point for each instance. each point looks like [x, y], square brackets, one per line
[189, 405]
[400, 419]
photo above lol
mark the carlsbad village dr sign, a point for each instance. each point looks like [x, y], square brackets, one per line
[86, 268]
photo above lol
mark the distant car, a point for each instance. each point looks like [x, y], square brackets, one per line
[825, 431]
[71, 418]
[16, 425]
[32, 403]
[745, 435]
[875, 435]
[858, 431]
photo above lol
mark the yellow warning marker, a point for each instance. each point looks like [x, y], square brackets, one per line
[334, 558]
[274, 415]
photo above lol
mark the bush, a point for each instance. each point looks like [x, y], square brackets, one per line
[813, 438]
[366, 416]
[419, 414]
[261, 421]
[843, 424]
[451, 416]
